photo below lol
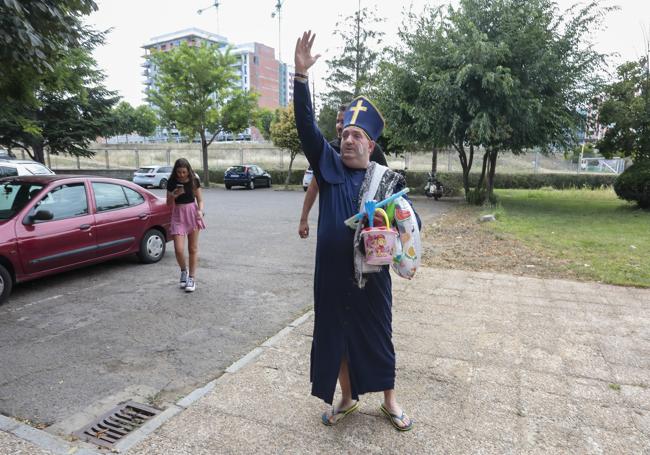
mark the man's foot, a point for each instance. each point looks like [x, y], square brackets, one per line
[397, 418]
[335, 415]
[191, 285]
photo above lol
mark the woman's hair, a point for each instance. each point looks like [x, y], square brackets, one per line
[182, 162]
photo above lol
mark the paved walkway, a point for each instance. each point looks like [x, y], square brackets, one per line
[487, 363]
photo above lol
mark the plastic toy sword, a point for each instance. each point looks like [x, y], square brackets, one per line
[370, 207]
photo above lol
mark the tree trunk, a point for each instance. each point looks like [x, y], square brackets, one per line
[204, 155]
[39, 154]
[434, 160]
[465, 165]
[490, 175]
[288, 179]
[481, 179]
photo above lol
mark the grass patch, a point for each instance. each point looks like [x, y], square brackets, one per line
[597, 235]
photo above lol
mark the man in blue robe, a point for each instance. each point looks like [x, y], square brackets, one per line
[353, 320]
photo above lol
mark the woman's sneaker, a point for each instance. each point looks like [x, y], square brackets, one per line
[183, 279]
[191, 285]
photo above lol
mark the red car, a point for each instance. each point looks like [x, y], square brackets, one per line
[53, 223]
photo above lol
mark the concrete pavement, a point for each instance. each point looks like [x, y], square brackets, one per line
[487, 363]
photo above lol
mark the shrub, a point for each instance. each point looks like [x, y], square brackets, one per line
[634, 184]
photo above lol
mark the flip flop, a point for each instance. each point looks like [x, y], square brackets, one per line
[394, 417]
[339, 415]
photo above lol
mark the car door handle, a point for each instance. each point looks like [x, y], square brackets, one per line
[143, 216]
[85, 227]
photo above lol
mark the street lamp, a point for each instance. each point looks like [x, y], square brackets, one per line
[278, 12]
[215, 5]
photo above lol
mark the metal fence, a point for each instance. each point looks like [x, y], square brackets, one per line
[221, 156]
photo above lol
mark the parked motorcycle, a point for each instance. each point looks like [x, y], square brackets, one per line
[433, 188]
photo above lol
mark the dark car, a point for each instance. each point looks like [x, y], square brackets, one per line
[50, 224]
[247, 175]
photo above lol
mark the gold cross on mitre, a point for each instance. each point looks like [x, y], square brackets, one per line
[356, 109]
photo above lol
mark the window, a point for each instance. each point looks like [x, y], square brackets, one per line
[65, 201]
[109, 196]
[133, 196]
[8, 171]
[255, 60]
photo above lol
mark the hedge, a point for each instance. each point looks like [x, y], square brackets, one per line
[634, 184]
[453, 181]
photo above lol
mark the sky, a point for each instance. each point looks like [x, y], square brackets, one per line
[134, 22]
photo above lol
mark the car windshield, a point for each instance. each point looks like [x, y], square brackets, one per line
[145, 170]
[37, 169]
[14, 196]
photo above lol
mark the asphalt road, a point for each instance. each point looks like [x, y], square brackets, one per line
[73, 339]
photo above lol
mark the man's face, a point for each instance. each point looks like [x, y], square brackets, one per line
[355, 148]
[339, 124]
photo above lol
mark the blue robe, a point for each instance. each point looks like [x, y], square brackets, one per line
[350, 323]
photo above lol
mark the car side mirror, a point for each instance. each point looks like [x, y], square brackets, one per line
[41, 215]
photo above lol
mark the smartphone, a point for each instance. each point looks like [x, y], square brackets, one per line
[180, 188]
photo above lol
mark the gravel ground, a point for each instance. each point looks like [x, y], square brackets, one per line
[458, 240]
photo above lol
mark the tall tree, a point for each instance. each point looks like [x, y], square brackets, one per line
[195, 89]
[72, 108]
[33, 35]
[284, 134]
[352, 71]
[625, 112]
[505, 75]
[145, 120]
[263, 121]
[123, 119]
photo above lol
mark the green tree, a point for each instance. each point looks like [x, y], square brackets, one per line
[625, 112]
[195, 89]
[145, 120]
[34, 34]
[352, 72]
[327, 120]
[123, 120]
[285, 135]
[502, 75]
[263, 121]
[73, 107]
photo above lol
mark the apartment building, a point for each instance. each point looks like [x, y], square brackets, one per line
[257, 68]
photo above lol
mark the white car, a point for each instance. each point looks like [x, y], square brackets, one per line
[306, 179]
[11, 168]
[156, 176]
[153, 176]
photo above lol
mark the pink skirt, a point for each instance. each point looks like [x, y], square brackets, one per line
[186, 219]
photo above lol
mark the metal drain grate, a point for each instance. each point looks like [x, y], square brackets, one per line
[117, 423]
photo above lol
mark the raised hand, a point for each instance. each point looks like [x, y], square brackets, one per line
[303, 59]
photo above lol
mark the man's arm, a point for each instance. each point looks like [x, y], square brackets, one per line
[310, 198]
[311, 138]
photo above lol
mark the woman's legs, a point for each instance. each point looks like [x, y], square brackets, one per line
[193, 247]
[179, 249]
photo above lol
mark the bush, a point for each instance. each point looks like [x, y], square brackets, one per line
[633, 185]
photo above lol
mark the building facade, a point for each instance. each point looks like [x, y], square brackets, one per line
[257, 68]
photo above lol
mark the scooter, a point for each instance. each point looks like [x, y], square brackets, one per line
[433, 188]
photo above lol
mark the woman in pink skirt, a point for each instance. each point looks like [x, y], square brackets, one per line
[184, 194]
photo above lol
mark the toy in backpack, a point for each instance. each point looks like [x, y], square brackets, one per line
[379, 241]
[408, 247]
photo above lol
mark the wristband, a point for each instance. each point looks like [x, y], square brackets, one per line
[304, 76]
